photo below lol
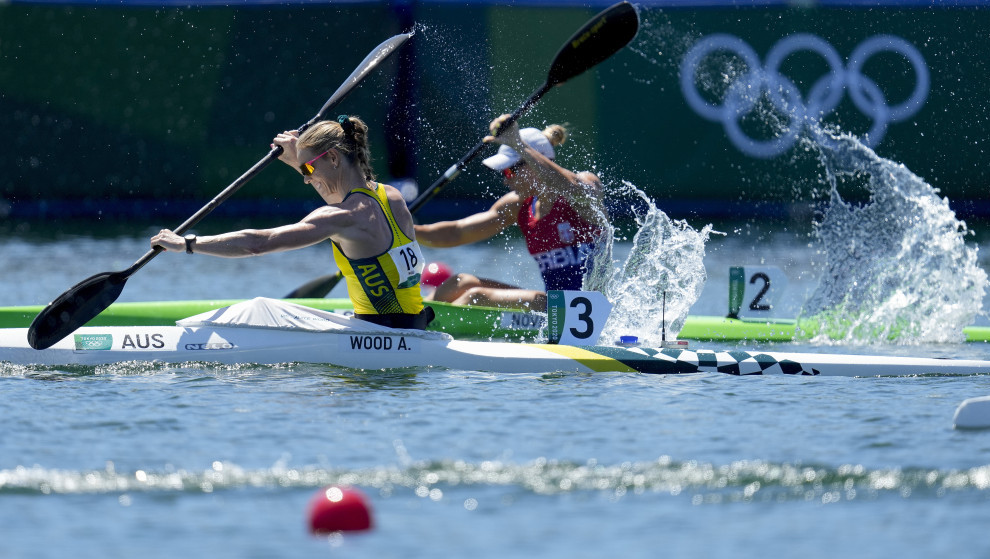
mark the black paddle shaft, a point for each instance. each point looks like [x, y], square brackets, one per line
[88, 298]
[461, 164]
[599, 38]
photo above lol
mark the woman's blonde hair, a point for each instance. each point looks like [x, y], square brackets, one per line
[556, 134]
[347, 134]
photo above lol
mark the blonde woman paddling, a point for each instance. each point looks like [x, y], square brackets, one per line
[370, 227]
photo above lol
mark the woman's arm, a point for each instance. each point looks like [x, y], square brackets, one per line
[316, 227]
[583, 190]
[471, 229]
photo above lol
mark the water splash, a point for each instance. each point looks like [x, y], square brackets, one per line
[661, 278]
[897, 266]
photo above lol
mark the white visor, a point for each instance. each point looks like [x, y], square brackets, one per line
[507, 157]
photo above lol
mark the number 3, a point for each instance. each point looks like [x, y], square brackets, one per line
[584, 316]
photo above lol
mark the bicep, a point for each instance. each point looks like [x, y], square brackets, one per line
[590, 186]
[314, 228]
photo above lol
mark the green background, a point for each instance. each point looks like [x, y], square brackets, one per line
[145, 109]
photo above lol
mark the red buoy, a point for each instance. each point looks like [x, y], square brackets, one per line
[338, 509]
[435, 273]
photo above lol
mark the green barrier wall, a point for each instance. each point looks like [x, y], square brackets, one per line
[110, 104]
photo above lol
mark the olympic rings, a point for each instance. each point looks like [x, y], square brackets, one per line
[824, 96]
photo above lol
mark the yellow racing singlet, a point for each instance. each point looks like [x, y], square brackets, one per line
[387, 283]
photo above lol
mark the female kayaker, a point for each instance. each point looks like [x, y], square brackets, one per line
[368, 223]
[559, 212]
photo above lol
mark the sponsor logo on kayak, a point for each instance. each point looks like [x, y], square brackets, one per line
[210, 346]
[380, 343]
[522, 321]
[91, 342]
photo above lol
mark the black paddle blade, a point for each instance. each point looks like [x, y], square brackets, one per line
[316, 288]
[603, 35]
[75, 307]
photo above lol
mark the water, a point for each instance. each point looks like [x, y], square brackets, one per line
[204, 460]
[655, 285]
[898, 264]
[208, 460]
[222, 462]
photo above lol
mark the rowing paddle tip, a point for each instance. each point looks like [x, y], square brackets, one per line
[973, 413]
[338, 509]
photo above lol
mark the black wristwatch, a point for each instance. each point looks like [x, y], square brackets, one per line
[190, 242]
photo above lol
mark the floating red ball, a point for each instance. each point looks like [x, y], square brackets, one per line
[435, 273]
[339, 509]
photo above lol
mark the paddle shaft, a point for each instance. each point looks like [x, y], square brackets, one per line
[208, 208]
[600, 37]
[461, 164]
[374, 58]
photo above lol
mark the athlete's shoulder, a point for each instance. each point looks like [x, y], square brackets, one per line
[329, 214]
[508, 204]
[510, 198]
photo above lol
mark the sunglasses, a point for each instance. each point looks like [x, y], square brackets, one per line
[307, 167]
[511, 171]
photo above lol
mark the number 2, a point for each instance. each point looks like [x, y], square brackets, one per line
[755, 304]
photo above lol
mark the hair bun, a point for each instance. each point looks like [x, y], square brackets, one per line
[556, 133]
[346, 124]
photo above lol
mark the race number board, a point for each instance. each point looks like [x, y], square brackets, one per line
[576, 317]
[754, 290]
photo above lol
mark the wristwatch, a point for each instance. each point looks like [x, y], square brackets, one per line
[190, 242]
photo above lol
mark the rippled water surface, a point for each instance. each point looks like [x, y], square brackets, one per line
[207, 460]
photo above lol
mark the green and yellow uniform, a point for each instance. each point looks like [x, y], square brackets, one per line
[384, 287]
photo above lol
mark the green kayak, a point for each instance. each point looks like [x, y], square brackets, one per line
[462, 322]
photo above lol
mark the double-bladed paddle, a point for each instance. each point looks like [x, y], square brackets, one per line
[599, 38]
[88, 298]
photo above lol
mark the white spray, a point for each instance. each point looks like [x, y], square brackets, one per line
[661, 278]
[897, 265]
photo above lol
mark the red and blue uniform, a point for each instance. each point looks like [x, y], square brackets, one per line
[560, 242]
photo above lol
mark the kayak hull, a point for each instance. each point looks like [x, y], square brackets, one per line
[406, 349]
[469, 323]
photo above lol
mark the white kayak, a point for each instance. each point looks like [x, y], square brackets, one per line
[272, 331]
